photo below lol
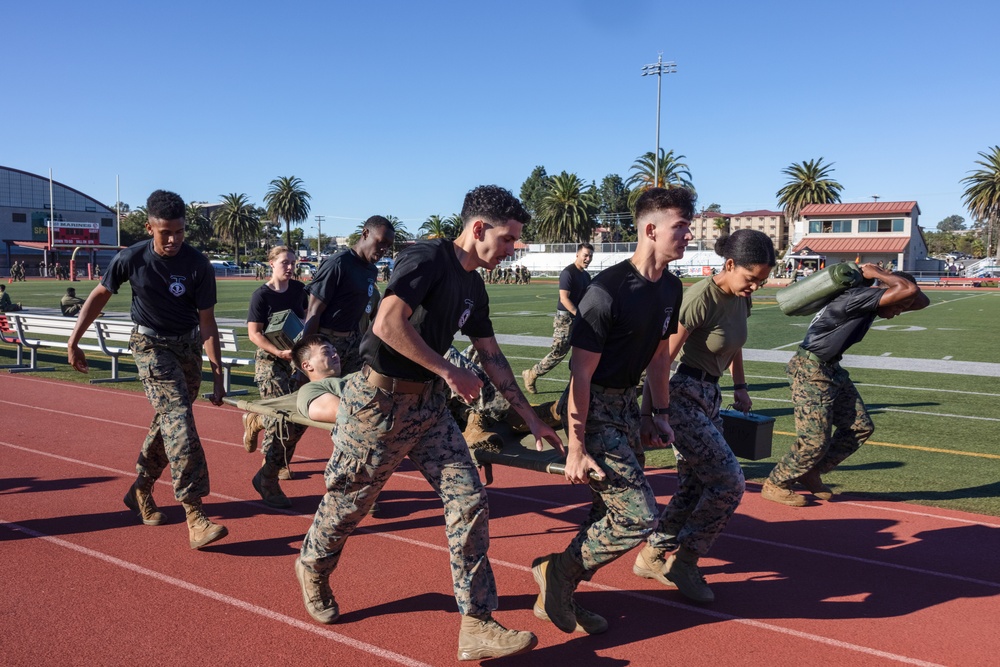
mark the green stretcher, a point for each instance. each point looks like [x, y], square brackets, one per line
[518, 450]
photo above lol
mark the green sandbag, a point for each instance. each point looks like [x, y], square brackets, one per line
[807, 296]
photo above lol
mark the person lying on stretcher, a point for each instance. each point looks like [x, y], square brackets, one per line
[319, 400]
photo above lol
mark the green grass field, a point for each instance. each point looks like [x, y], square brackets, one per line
[936, 437]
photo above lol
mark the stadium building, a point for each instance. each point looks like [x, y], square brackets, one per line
[79, 221]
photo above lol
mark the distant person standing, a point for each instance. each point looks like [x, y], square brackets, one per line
[274, 376]
[831, 420]
[342, 288]
[573, 282]
[70, 303]
[173, 307]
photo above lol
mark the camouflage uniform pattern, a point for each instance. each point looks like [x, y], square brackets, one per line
[375, 431]
[623, 509]
[275, 377]
[561, 327]
[824, 398]
[170, 371]
[490, 403]
[710, 480]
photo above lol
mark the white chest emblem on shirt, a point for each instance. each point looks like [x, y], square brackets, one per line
[371, 288]
[177, 287]
[666, 320]
[465, 314]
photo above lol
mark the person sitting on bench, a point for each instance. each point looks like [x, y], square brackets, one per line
[70, 304]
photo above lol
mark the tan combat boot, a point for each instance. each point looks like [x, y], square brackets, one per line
[139, 499]
[481, 637]
[682, 569]
[778, 493]
[285, 473]
[814, 484]
[650, 563]
[252, 426]
[266, 484]
[557, 576]
[478, 436]
[201, 530]
[316, 594]
[529, 376]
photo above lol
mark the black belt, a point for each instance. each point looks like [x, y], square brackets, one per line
[391, 384]
[803, 352]
[146, 331]
[335, 334]
[610, 391]
[697, 374]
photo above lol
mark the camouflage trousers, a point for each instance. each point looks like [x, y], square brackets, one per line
[348, 349]
[171, 375]
[710, 480]
[276, 377]
[490, 403]
[824, 399]
[375, 431]
[562, 325]
[623, 507]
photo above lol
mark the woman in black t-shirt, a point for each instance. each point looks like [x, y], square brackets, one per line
[274, 375]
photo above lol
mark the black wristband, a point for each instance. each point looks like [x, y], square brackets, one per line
[740, 385]
[661, 411]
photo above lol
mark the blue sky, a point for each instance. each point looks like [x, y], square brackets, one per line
[401, 107]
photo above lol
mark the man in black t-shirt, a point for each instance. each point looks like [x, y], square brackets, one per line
[396, 407]
[342, 288]
[831, 420]
[573, 282]
[173, 308]
[625, 319]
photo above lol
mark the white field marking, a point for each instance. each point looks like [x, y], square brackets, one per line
[923, 514]
[891, 386]
[886, 354]
[782, 347]
[83, 387]
[913, 412]
[946, 358]
[515, 566]
[220, 597]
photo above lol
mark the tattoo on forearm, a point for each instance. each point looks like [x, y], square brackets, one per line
[512, 393]
[494, 360]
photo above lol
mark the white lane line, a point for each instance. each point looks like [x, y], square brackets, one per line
[221, 597]
[878, 410]
[246, 606]
[861, 383]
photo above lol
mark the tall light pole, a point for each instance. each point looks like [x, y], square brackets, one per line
[319, 235]
[659, 68]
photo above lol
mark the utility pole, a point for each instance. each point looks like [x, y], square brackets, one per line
[659, 68]
[319, 235]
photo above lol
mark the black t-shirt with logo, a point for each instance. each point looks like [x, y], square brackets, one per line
[574, 281]
[345, 283]
[842, 322]
[623, 317]
[445, 298]
[167, 292]
[265, 302]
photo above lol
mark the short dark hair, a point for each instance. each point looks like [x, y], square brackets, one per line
[165, 205]
[658, 199]
[3, 288]
[495, 204]
[300, 351]
[747, 248]
[71, 291]
[379, 222]
[585, 246]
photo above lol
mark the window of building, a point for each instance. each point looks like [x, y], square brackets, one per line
[829, 226]
[19, 217]
[107, 222]
[882, 226]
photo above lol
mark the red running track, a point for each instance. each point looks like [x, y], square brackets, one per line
[84, 583]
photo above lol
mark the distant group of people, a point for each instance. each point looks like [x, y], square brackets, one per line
[17, 273]
[516, 275]
[383, 368]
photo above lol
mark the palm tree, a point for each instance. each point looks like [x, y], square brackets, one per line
[673, 174]
[435, 227]
[454, 225]
[982, 194]
[287, 200]
[569, 210]
[197, 226]
[809, 183]
[722, 224]
[236, 219]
